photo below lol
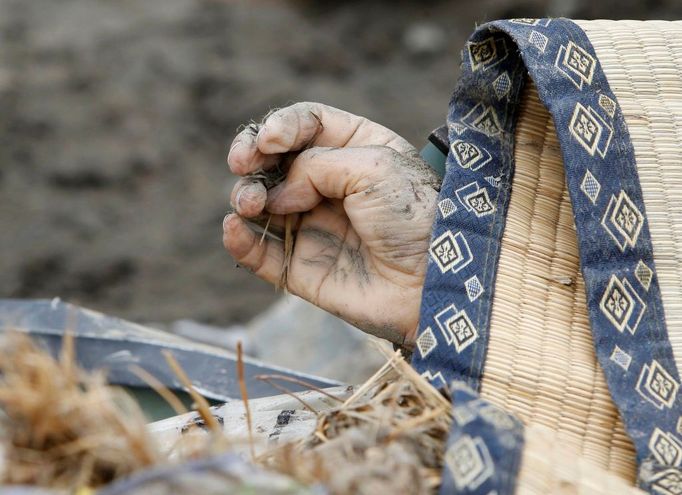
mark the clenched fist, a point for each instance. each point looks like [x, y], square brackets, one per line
[362, 201]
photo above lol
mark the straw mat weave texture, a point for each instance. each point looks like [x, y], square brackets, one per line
[550, 466]
[541, 363]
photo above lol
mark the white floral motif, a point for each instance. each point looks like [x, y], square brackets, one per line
[580, 60]
[590, 130]
[487, 123]
[482, 53]
[622, 305]
[469, 461]
[665, 448]
[469, 155]
[484, 119]
[623, 220]
[467, 151]
[585, 128]
[462, 331]
[576, 64]
[487, 53]
[617, 304]
[667, 482]
[445, 251]
[451, 252]
[657, 386]
[479, 202]
[661, 386]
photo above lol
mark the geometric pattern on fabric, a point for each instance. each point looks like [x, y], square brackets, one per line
[481, 455]
[616, 254]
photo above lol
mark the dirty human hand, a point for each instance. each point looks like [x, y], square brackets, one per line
[362, 203]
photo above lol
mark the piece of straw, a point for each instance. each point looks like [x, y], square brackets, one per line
[245, 397]
[201, 404]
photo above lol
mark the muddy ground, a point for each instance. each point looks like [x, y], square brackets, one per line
[115, 116]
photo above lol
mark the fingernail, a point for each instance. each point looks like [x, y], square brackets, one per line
[231, 152]
[226, 220]
[247, 194]
[251, 197]
[238, 198]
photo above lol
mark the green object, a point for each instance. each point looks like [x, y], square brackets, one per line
[154, 407]
[434, 157]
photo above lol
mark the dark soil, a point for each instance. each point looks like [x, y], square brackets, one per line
[115, 117]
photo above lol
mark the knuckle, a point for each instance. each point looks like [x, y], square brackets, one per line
[306, 106]
[383, 155]
[309, 154]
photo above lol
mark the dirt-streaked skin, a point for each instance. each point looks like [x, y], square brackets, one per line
[364, 203]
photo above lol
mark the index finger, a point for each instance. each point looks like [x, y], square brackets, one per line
[307, 124]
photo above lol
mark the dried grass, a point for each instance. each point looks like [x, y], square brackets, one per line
[389, 437]
[63, 428]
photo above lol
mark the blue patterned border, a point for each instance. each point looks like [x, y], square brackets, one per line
[623, 297]
[482, 452]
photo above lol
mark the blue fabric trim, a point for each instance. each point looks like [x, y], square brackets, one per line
[482, 453]
[623, 297]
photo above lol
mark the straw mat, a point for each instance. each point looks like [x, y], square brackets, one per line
[544, 469]
[643, 62]
[541, 363]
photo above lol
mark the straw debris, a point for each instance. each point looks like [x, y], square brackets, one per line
[63, 428]
[389, 437]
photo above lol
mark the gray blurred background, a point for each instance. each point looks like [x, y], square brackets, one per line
[116, 115]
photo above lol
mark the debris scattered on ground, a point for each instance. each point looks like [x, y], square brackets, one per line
[389, 437]
[64, 428]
